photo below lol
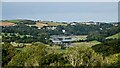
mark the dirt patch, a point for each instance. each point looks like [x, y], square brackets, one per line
[40, 24]
[6, 24]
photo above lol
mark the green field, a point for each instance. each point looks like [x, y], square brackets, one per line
[0, 37]
[81, 37]
[114, 36]
[91, 43]
[56, 24]
[14, 21]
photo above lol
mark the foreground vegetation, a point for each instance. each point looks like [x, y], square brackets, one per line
[44, 55]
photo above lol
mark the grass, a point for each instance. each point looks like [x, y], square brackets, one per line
[0, 37]
[19, 49]
[40, 24]
[96, 42]
[91, 43]
[0, 46]
[55, 24]
[57, 49]
[81, 37]
[14, 21]
[114, 36]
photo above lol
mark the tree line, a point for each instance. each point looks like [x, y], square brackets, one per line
[94, 32]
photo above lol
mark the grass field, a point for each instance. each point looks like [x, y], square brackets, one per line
[114, 36]
[57, 49]
[0, 37]
[55, 24]
[81, 37]
[91, 43]
[14, 21]
[40, 24]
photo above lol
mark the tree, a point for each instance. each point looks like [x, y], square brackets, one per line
[117, 64]
[53, 60]
[108, 48]
[8, 52]
[29, 56]
[84, 56]
[96, 36]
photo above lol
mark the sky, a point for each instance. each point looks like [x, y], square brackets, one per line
[60, 0]
[61, 11]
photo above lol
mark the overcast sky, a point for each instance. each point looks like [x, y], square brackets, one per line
[61, 11]
[60, 0]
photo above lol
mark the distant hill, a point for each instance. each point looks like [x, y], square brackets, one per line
[115, 36]
[42, 24]
[35, 23]
[12, 21]
[20, 21]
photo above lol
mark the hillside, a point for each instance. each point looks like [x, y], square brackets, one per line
[32, 23]
[115, 36]
[42, 24]
[55, 24]
[14, 21]
[108, 48]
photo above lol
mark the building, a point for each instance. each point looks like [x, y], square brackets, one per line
[89, 23]
[66, 40]
[115, 24]
[73, 23]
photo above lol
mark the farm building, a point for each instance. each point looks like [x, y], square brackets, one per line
[56, 39]
[73, 23]
[88, 23]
